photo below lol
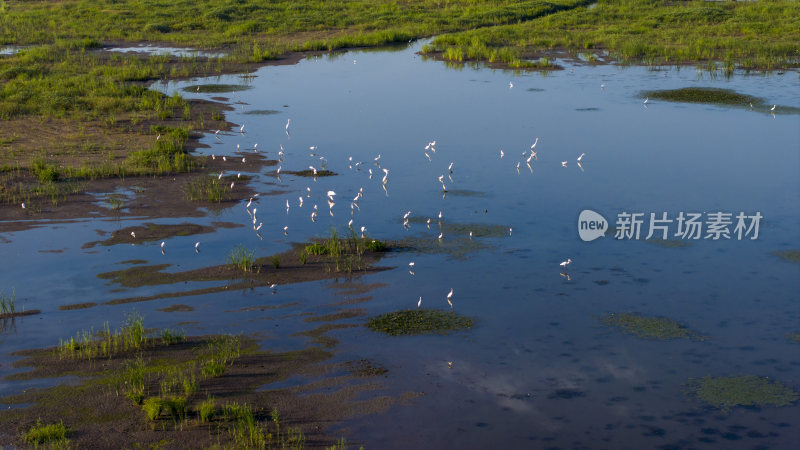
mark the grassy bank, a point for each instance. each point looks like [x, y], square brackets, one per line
[749, 35]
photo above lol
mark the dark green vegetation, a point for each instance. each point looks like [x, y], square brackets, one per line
[716, 96]
[54, 434]
[342, 254]
[747, 390]
[789, 255]
[749, 35]
[71, 113]
[164, 387]
[657, 328]
[419, 321]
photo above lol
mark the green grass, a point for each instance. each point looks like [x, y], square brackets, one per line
[749, 35]
[747, 390]
[8, 303]
[206, 189]
[208, 409]
[54, 434]
[242, 259]
[153, 407]
[419, 321]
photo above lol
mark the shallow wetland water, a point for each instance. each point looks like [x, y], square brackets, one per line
[541, 367]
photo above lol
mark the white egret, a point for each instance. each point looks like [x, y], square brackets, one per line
[224, 159]
[510, 85]
[411, 264]
[23, 205]
[646, 99]
[440, 215]
[249, 202]
[260, 224]
[449, 298]
[450, 168]
[535, 142]
[564, 264]
[773, 107]
[441, 235]
[213, 157]
[581, 157]
[419, 302]
[231, 185]
[244, 160]
[563, 164]
[350, 223]
[286, 230]
[510, 230]
[241, 129]
[133, 234]
[300, 199]
[313, 169]
[278, 171]
[501, 153]
[331, 194]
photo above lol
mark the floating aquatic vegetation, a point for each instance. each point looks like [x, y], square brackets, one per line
[789, 255]
[746, 390]
[310, 173]
[455, 247]
[717, 96]
[659, 328]
[419, 321]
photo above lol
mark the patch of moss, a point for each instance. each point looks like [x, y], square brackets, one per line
[419, 321]
[455, 247]
[712, 96]
[794, 337]
[659, 328]
[717, 96]
[746, 390]
[789, 255]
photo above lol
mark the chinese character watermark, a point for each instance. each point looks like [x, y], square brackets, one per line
[685, 225]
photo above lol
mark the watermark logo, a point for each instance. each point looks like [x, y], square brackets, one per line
[683, 226]
[591, 225]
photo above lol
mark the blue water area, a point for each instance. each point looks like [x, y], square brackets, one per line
[539, 369]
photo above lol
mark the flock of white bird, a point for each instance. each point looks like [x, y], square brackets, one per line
[528, 157]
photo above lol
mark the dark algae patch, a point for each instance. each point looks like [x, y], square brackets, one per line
[713, 96]
[746, 390]
[419, 321]
[716, 96]
[654, 328]
[789, 255]
[310, 173]
[74, 306]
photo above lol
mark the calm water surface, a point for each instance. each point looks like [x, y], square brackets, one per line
[539, 369]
